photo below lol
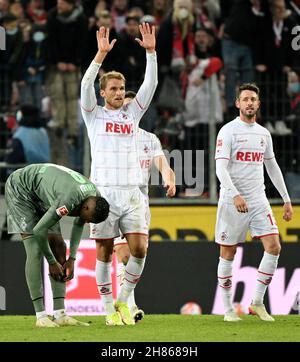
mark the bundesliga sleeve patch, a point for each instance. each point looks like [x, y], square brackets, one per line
[62, 211]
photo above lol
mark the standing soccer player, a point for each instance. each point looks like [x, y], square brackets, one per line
[150, 152]
[37, 197]
[116, 170]
[242, 148]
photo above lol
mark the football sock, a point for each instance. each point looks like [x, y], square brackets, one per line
[133, 271]
[58, 313]
[41, 314]
[225, 282]
[104, 284]
[265, 273]
[59, 293]
[33, 272]
[120, 275]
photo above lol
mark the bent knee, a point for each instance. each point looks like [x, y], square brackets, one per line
[274, 249]
[140, 251]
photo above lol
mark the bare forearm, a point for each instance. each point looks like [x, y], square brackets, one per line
[99, 57]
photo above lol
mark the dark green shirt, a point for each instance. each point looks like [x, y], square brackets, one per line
[57, 191]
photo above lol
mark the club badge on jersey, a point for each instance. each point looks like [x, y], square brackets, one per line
[62, 211]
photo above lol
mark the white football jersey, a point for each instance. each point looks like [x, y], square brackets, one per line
[246, 146]
[149, 147]
[113, 133]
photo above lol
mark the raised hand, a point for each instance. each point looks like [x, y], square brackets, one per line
[104, 46]
[148, 37]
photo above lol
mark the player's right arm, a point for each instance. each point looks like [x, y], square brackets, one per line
[40, 232]
[168, 175]
[222, 157]
[88, 97]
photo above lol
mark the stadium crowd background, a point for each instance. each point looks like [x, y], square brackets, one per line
[203, 55]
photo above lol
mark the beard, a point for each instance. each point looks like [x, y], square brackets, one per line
[249, 113]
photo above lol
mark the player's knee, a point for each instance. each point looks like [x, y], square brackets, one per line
[125, 258]
[228, 252]
[140, 251]
[274, 249]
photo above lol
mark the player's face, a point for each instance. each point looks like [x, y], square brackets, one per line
[248, 104]
[114, 93]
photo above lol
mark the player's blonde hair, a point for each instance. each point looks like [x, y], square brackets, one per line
[110, 75]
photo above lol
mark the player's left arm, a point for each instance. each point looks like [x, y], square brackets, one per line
[146, 92]
[277, 179]
[167, 174]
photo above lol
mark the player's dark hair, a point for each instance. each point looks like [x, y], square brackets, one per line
[130, 94]
[101, 210]
[247, 86]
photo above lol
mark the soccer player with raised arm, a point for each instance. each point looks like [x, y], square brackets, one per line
[150, 153]
[116, 170]
[37, 197]
[243, 148]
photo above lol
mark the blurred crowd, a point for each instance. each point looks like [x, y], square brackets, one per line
[205, 49]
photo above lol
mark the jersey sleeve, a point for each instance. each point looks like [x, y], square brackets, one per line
[40, 232]
[269, 152]
[144, 96]
[88, 100]
[76, 233]
[157, 149]
[223, 145]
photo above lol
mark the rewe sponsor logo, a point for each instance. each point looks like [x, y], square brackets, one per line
[114, 127]
[249, 156]
[282, 292]
[145, 163]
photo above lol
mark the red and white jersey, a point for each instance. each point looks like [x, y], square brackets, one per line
[113, 133]
[246, 146]
[149, 147]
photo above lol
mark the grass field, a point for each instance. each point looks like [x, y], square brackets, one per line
[156, 328]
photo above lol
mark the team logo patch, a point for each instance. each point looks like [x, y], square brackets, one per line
[262, 142]
[219, 143]
[104, 290]
[224, 236]
[62, 211]
[146, 149]
[227, 284]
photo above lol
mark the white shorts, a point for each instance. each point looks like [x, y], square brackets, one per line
[127, 214]
[232, 226]
[121, 239]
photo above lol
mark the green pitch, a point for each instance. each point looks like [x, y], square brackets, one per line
[156, 328]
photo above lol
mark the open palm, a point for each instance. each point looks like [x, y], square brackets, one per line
[148, 36]
[104, 46]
